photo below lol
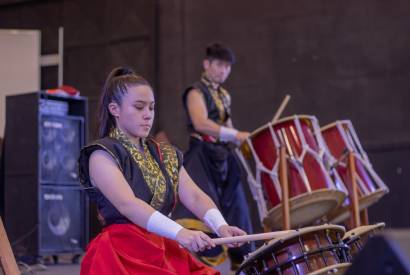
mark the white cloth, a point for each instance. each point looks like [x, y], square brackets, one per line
[163, 226]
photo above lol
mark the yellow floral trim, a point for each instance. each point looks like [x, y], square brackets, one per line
[149, 167]
[170, 160]
[219, 96]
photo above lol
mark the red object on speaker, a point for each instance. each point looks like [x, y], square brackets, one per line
[64, 90]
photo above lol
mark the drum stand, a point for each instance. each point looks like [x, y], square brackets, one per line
[364, 217]
[354, 198]
[8, 263]
[283, 178]
[283, 172]
[357, 217]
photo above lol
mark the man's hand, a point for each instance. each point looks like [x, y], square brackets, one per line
[242, 136]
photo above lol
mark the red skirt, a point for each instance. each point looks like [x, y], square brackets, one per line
[130, 249]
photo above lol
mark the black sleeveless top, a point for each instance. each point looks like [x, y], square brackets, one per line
[218, 102]
[168, 158]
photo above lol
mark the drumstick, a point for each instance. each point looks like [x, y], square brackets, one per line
[251, 238]
[281, 108]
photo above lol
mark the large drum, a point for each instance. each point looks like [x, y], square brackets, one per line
[341, 138]
[310, 250]
[312, 192]
[356, 238]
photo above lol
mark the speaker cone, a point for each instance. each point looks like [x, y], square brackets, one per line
[58, 219]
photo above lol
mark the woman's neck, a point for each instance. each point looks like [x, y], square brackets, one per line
[136, 141]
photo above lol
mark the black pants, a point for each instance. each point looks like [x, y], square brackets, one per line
[215, 169]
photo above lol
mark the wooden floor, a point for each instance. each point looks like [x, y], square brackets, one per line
[60, 269]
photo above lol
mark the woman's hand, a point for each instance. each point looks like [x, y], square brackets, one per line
[231, 231]
[194, 240]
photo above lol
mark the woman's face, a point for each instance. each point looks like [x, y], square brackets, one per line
[135, 115]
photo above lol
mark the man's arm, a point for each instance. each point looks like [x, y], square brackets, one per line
[199, 116]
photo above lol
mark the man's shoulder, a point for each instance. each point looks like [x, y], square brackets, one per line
[197, 87]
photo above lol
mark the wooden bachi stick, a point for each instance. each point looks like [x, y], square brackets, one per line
[281, 108]
[253, 237]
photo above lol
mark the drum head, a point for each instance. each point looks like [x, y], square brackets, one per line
[358, 237]
[332, 230]
[305, 208]
[343, 213]
[362, 230]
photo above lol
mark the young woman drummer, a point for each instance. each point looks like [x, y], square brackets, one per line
[136, 183]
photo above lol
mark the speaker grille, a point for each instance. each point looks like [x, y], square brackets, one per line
[62, 224]
[60, 143]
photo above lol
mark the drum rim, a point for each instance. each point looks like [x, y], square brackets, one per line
[304, 116]
[341, 196]
[259, 129]
[266, 125]
[334, 123]
[359, 231]
[298, 232]
[345, 210]
[306, 230]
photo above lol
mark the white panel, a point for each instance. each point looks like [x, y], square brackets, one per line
[19, 65]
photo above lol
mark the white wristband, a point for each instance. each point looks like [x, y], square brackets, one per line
[163, 226]
[214, 219]
[227, 134]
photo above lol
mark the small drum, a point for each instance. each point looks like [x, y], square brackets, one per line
[310, 250]
[312, 192]
[356, 238]
[341, 138]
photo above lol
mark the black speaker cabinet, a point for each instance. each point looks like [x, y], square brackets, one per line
[45, 209]
[384, 254]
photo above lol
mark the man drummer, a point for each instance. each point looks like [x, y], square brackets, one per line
[210, 160]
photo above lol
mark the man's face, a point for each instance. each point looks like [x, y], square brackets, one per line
[217, 70]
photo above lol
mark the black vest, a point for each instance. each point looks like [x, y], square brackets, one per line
[213, 112]
[132, 174]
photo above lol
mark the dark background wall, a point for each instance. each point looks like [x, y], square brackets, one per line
[338, 60]
[98, 36]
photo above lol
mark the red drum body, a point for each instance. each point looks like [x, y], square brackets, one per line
[341, 138]
[312, 191]
[310, 250]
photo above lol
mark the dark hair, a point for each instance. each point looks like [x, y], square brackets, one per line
[115, 87]
[221, 52]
